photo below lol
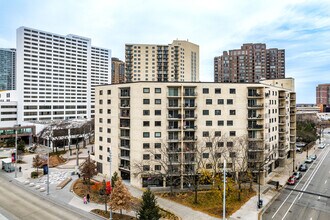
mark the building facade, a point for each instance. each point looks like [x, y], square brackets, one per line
[7, 69]
[117, 71]
[57, 75]
[8, 108]
[178, 61]
[323, 97]
[251, 63]
[154, 127]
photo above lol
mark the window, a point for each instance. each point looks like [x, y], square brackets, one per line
[109, 101]
[158, 90]
[146, 90]
[232, 112]
[146, 112]
[100, 120]
[205, 133]
[217, 91]
[220, 101]
[146, 157]
[100, 111]
[205, 91]
[158, 101]
[158, 134]
[101, 92]
[158, 156]
[100, 157]
[232, 154]
[230, 144]
[220, 144]
[100, 139]
[221, 123]
[230, 123]
[158, 112]
[229, 102]
[232, 133]
[146, 134]
[217, 112]
[146, 101]
[109, 121]
[158, 145]
[208, 101]
[173, 91]
[109, 140]
[146, 145]
[146, 168]
[109, 130]
[100, 101]
[158, 123]
[205, 112]
[146, 123]
[109, 92]
[217, 134]
[158, 167]
[208, 144]
[205, 155]
[100, 147]
[208, 123]
[100, 129]
[232, 91]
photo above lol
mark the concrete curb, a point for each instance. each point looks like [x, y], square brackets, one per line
[261, 212]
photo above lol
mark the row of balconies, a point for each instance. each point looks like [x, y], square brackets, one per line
[185, 138]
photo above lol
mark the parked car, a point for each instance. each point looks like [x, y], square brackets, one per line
[313, 157]
[297, 174]
[308, 160]
[292, 180]
[321, 146]
[299, 149]
[303, 167]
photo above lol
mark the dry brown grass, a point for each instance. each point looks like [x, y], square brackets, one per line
[210, 202]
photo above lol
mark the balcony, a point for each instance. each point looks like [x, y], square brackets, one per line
[174, 117]
[190, 117]
[255, 148]
[255, 106]
[255, 117]
[126, 147]
[190, 94]
[124, 105]
[174, 106]
[173, 139]
[254, 139]
[194, 127]
[190, 138]
[190, 106]
[255, 127]
[124, 115]
[255, 95]
[123, 167]
[173, 128]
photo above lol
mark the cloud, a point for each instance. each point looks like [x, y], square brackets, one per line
[301, 27]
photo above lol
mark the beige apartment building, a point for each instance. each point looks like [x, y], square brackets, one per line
[178, 61]
[162, 131]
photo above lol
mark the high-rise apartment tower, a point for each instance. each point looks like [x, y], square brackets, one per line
[117, 71]
[7, 69]
[57, 75]
[178, 61]
[323, 97]
[251, 63]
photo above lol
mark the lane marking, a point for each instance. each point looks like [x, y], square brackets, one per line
[326, 182]
[305, 186]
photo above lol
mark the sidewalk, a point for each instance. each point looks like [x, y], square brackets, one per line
[269, 192]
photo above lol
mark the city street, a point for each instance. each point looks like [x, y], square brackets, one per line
[309, 198]
[19, 203]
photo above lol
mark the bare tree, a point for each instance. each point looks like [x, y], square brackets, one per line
[88, 170]
[166, 161]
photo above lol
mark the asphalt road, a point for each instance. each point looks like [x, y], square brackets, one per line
[18, 203]
[309, 199]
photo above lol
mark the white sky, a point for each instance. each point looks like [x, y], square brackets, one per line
[300, 27]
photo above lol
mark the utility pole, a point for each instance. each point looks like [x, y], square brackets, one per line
[16, 153]
[51, 146]
[224, 191]
[110, 160]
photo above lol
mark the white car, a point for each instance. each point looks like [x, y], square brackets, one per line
[321, 146]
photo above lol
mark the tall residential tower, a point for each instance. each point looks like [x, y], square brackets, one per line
[57, 75]
[251, 63]
[7, 69]
[117, 71]
[323, 97]
[178, 61]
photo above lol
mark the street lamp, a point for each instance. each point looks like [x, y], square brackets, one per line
[16, 154]
[110, 160]
[50, 147]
